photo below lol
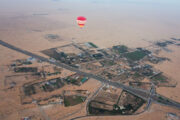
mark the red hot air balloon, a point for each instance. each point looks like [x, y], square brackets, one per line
[81, 21]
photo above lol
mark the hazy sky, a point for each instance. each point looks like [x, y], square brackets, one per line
[106, 19]
[21, 4]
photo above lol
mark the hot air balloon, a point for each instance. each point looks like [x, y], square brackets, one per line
[81, 21]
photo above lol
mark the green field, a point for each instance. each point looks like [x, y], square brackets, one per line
[160, 78]
[135, 56]
[120, 49]
[73, 100]
[92, 44]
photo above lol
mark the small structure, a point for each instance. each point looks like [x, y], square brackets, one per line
[76, 79]
[26, 118]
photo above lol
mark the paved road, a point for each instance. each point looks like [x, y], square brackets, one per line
[138, 92]
[149, 102]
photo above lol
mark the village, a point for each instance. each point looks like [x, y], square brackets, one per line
[43, 83]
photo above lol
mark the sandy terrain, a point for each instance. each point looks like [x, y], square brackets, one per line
[171, 68]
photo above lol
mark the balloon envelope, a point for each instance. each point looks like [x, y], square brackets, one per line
[81, 21]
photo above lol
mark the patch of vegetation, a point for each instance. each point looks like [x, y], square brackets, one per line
[29, 90]
[98, 56]
[178, 44]
[162, 100]
[25, 69]
[175, 39]
[164, 44]
[52, 84]
[55, 73]
[73, 81]
[73, 100]
[136, 75]
[135, 56]
[129, 109]
[160, 78]
[92, 44]
[52, 36]
[52, 53]
[120, 49]
[67, 103]
[107, 62]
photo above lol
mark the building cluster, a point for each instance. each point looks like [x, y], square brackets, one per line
[45, 87]
[118, 63]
